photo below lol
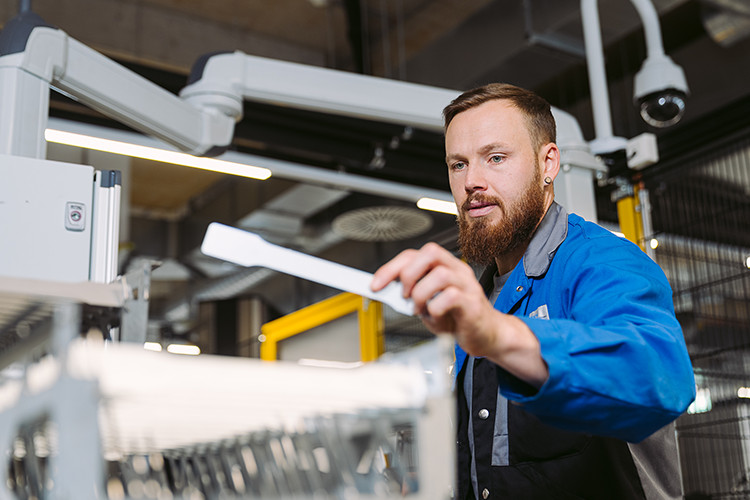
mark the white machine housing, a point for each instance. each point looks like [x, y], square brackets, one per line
[58, 220]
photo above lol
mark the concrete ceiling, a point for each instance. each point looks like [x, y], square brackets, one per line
[455, 44]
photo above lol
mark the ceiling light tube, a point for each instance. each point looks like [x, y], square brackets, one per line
[188, 349]
[157, 154]
[442, 206]
[279, 168]
[152, 346]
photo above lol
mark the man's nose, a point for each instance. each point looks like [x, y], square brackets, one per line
[475, 180]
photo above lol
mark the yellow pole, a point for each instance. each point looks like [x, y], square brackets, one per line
[629, 216]
[371, 330]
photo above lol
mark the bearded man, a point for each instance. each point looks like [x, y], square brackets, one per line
[570, 364]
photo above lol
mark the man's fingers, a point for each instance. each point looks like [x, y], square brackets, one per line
[391, 270]
[411, 266]
[427, 260]
[431, 285]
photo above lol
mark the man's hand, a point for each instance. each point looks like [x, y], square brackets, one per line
[444, 289]
[449, 299]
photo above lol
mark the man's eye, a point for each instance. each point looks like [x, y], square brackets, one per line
[496, 158]
[458, 165]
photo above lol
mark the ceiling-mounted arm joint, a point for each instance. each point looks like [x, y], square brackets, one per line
[49, 57]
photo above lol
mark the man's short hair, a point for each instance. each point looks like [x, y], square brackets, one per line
[536, 109]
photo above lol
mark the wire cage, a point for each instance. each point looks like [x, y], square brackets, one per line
[701, 220]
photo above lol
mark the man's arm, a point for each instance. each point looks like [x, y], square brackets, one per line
[449, 299]
[617, 360]
[617, 366]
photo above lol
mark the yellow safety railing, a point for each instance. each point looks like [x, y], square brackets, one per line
[369, 318]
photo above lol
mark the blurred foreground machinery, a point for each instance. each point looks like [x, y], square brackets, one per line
[82, 419]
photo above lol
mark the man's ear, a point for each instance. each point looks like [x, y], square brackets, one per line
[549, 159]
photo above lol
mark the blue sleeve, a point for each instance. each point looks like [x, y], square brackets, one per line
[618, 366]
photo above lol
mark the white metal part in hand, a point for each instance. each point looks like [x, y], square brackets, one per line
[248, 249]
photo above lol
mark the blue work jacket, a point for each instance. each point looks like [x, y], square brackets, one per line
[602, 311]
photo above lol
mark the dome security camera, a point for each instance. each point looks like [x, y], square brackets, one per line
[662, 109]
[660, 92]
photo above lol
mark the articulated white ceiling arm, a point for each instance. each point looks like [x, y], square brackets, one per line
[225, 80]
[52, 58]
[24, 92]
[205, 115]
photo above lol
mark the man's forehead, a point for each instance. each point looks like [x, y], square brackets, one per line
[497, 113]
[494, 122]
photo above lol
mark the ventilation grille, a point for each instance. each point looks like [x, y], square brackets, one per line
[382, 223]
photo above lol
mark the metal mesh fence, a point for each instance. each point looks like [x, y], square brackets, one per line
[701, 220]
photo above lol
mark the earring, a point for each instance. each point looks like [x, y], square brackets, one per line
[548, 180]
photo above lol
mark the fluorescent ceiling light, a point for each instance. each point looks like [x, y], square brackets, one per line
[157, 154]
[446, 207]
[152, 346]
[191, 350]
[244, 161]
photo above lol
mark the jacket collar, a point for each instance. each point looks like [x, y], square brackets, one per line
[547, 238]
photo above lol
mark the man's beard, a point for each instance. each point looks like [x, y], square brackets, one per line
[481, 241]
